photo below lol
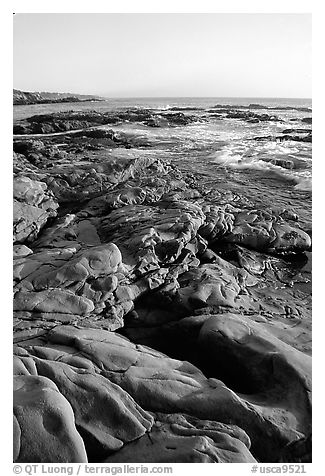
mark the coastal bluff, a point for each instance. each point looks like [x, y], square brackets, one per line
[25, 97]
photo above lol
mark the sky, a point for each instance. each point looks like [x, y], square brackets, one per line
[164, 55]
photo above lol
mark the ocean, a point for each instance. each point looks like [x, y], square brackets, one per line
[21, 112]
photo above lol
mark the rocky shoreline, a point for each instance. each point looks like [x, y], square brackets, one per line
[22, 98]
[156, 319]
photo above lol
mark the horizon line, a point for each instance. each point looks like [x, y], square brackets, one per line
[165, 97]
[204, 97]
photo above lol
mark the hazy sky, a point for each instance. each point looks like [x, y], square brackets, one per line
[134, 55]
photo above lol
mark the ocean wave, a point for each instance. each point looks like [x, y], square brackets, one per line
[304, 184]
[274, 159]
[262, 106]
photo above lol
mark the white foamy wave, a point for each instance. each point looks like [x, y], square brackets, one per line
[164, 107]
[304, 184]
[250, 159]
[247, 159]
[275, 147]
[227, 158]
[247, 152]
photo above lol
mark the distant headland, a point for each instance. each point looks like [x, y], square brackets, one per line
[25, 97]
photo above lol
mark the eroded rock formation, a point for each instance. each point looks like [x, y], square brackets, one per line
[209, 290]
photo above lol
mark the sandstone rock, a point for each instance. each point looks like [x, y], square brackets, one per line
[299, 451]
[254, 228]
[183, 439]
[44, 424]
[28, 191]
[92, 263]
[106, 416]
[62, 284]
[268, 374]
[161, 384]
[217, 284]
[52, 300]
[219, 222]
[33, 205]
[149, 235]
[21, 251]
[256, 362]
[131, 244]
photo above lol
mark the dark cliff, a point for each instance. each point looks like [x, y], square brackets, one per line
[25, 97]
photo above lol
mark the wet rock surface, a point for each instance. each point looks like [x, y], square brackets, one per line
[160, 315]
[71, 120]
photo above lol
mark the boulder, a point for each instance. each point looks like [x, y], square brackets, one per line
[44, 424]
[52, 300]
[257, 363]
[106, 416]
[156, 383]
[180, 438]
[33, 206]
[66, 281]
[254, 229]
[216, 284]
